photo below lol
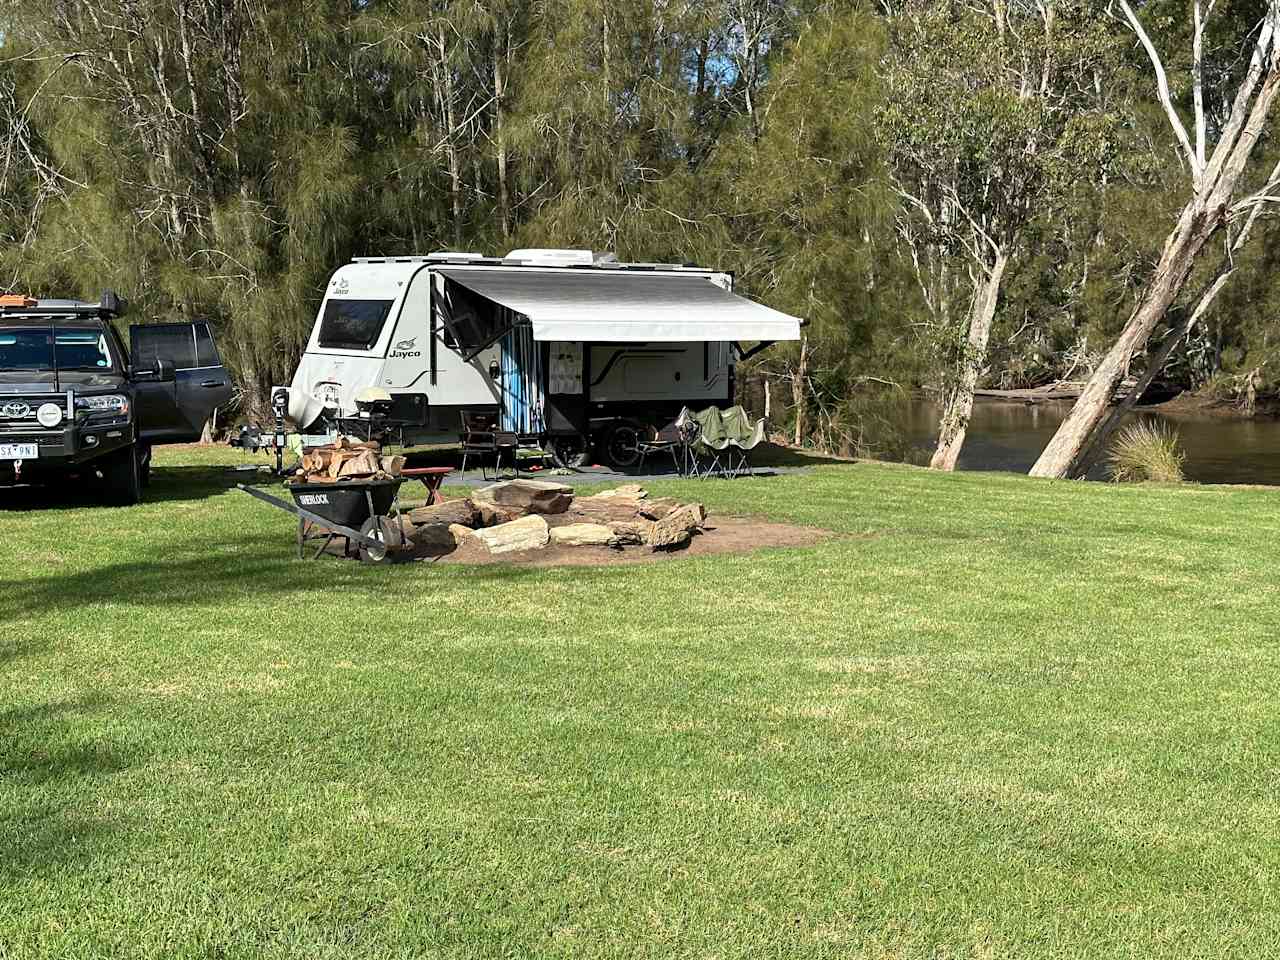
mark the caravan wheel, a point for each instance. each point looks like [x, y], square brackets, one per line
[568, 451]
[622, 446]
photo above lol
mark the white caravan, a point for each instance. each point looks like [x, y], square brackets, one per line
[570, 350]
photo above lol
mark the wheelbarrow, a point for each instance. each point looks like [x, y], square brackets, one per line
[363, 512]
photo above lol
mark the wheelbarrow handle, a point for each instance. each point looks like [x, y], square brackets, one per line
[321, 522]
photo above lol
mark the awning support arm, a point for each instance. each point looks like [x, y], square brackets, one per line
[494, 339]
[748, 354]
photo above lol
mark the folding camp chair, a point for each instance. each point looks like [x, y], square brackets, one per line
[482, 438]
[709, 446]
[675, 438]
[743, 437]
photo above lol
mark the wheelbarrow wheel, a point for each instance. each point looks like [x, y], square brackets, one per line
[389, 535]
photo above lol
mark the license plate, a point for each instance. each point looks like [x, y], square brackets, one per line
[19, 451]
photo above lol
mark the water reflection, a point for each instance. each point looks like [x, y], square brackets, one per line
[1009, 436]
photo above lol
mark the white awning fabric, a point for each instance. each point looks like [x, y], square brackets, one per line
[626, 307]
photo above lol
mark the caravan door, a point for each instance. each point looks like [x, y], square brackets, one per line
[566, 407]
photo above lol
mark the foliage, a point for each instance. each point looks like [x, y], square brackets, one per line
[1147, 450]
[220, 158]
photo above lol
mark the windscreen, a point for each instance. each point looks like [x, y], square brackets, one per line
[33, 348]
[353, 324]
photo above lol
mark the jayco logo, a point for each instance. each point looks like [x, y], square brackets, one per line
[342, 287]
[405, 349]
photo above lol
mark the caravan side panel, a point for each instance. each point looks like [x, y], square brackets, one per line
[640, 372]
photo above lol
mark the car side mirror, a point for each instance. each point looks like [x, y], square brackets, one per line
[162, 372]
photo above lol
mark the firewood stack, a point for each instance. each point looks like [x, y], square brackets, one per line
[346, 459]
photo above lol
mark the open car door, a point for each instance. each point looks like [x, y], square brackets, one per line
[178, 380]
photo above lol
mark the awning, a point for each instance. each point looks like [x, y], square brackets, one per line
[630, 307]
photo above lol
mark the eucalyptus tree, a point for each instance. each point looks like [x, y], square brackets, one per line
[992, 122]
[1216, 148]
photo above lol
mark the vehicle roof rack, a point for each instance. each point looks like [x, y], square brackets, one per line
[108, 306]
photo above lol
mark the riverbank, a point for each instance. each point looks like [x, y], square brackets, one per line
[1010, 437]
[1204, 404]
[991, 716]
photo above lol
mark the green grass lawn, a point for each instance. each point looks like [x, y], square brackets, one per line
[999, 717]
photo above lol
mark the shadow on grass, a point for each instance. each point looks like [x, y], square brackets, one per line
[168, 485]
[13, 650]
[43, 755]
[261, 565]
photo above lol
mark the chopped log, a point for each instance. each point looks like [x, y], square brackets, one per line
[363, 464]
[451, 511]
[528, 496]
[460, 533]
[527, 533]
[392, 465]
[582, 535]
[677, 527]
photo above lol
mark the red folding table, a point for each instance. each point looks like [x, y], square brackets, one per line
[431, 478]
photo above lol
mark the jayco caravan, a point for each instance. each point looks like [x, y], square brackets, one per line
[571, 350]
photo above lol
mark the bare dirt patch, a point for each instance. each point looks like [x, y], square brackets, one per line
[720, 535]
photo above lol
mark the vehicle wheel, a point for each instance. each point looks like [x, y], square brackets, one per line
[568, 451]
[144, 463]
[122, 477]
[622, 446]
[388, 533]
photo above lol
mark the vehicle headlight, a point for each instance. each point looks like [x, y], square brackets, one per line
[49, 414]
[112, 403]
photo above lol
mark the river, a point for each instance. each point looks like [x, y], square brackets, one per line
[1009, 436]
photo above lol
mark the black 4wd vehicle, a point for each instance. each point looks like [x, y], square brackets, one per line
[72, 401]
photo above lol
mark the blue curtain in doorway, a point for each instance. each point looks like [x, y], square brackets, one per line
[521, 382]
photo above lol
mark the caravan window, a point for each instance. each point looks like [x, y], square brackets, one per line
[353, 324]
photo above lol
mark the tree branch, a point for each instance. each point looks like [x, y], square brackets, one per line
[1162, 86]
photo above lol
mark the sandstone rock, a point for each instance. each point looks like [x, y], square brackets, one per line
[628, 491]
[582, 535]
[677, 526]
[431, 536]
[527, 533]
[609, 510]
[491, 515]
[527, 496]
[451, 511]
[657, 509]
[630, 531]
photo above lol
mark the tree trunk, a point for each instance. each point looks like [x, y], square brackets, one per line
[798, 389]
[954, 424]
[499, 136]
[1097, 447]
[451, 146]
[1078, 436]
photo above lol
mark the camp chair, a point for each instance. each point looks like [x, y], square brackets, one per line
[743, 436]
[709, 447]
[482, 438]
[675, 439]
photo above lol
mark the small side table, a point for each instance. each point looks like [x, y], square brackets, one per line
[431, 478]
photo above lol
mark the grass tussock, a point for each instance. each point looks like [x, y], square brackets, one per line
[1147, 450]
